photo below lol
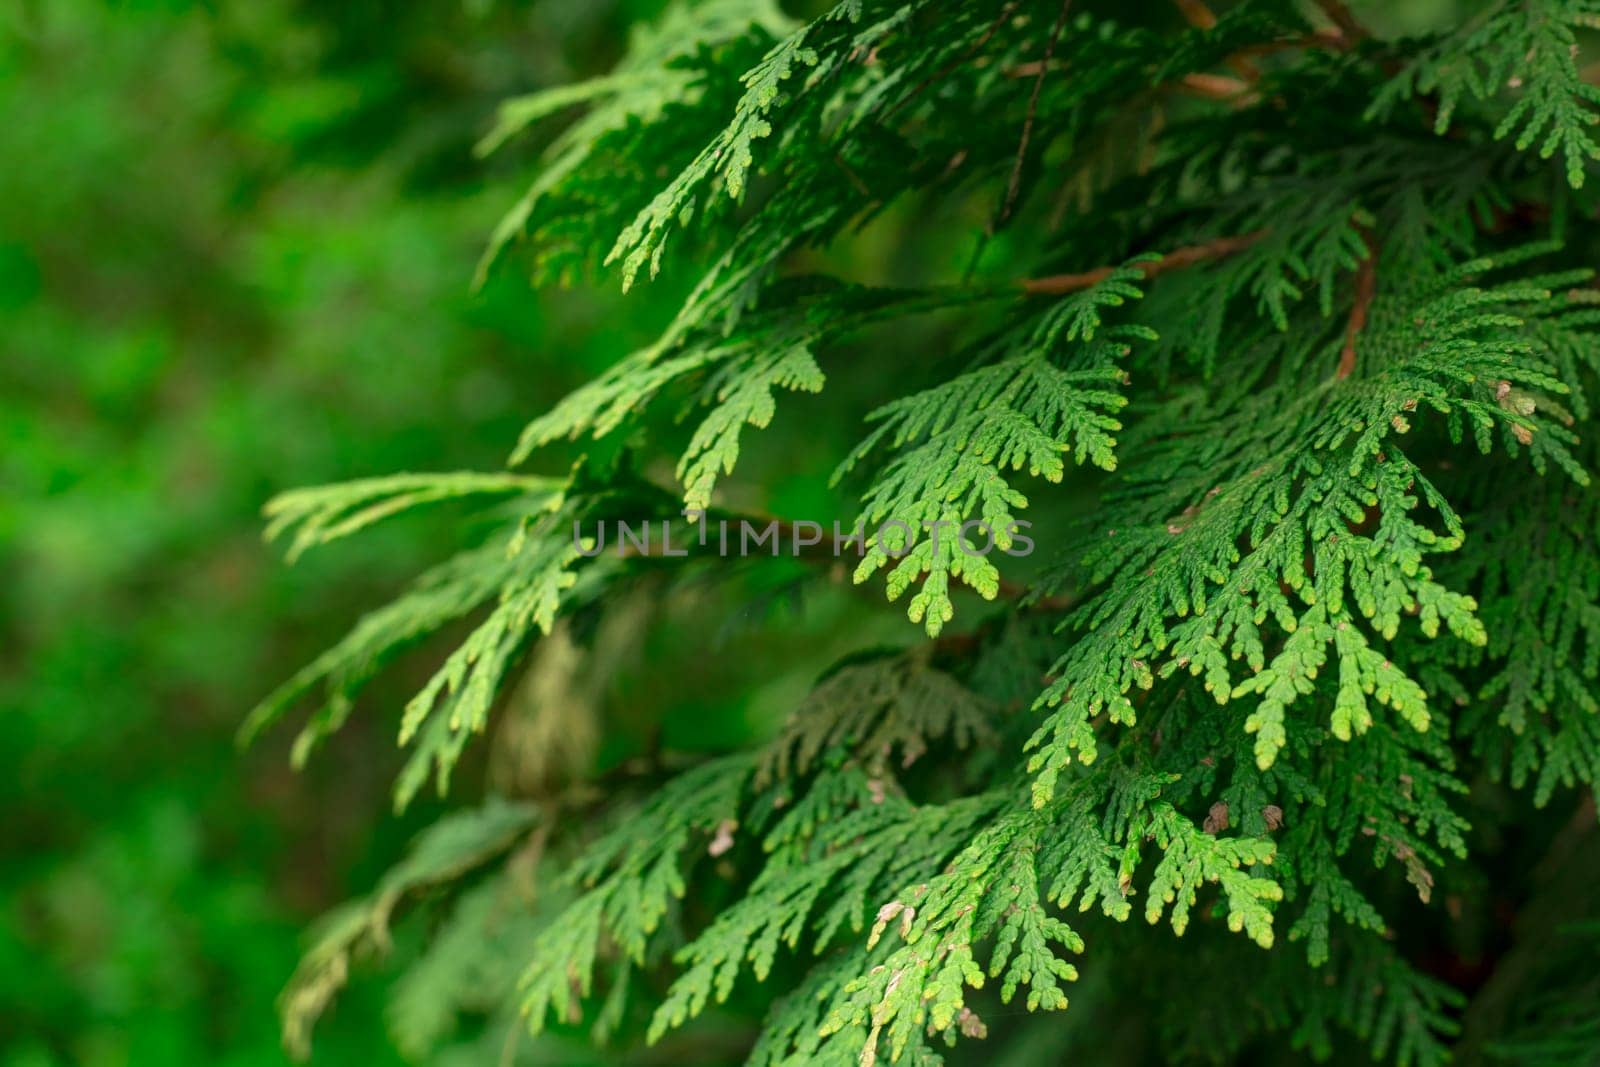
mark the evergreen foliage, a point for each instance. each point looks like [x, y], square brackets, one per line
[1286, 334]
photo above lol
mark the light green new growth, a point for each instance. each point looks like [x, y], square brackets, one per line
[955, 443]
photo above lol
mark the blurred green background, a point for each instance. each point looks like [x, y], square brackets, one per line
[236, 245]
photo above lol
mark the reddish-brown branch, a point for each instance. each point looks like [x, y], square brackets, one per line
[1341, 17]
[1030, 69]
[1188, 256]
[1196, 13]
[1216, 87]
[944, 71]
[1366, 288]
[1201, 17]
[1015, 185]
[1329, 39]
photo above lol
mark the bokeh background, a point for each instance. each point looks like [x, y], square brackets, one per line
[237, 241]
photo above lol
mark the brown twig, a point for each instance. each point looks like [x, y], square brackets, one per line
[1196, 13]
[1216, 87]
[854, 178]
[1341, 17]
[1056, 284]
[1366, 288]
[1030, 69]
[1015, 185]
[1201, 17]
[942, 72]
[1332, 40]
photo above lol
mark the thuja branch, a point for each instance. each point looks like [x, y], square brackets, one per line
[1187, 256]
